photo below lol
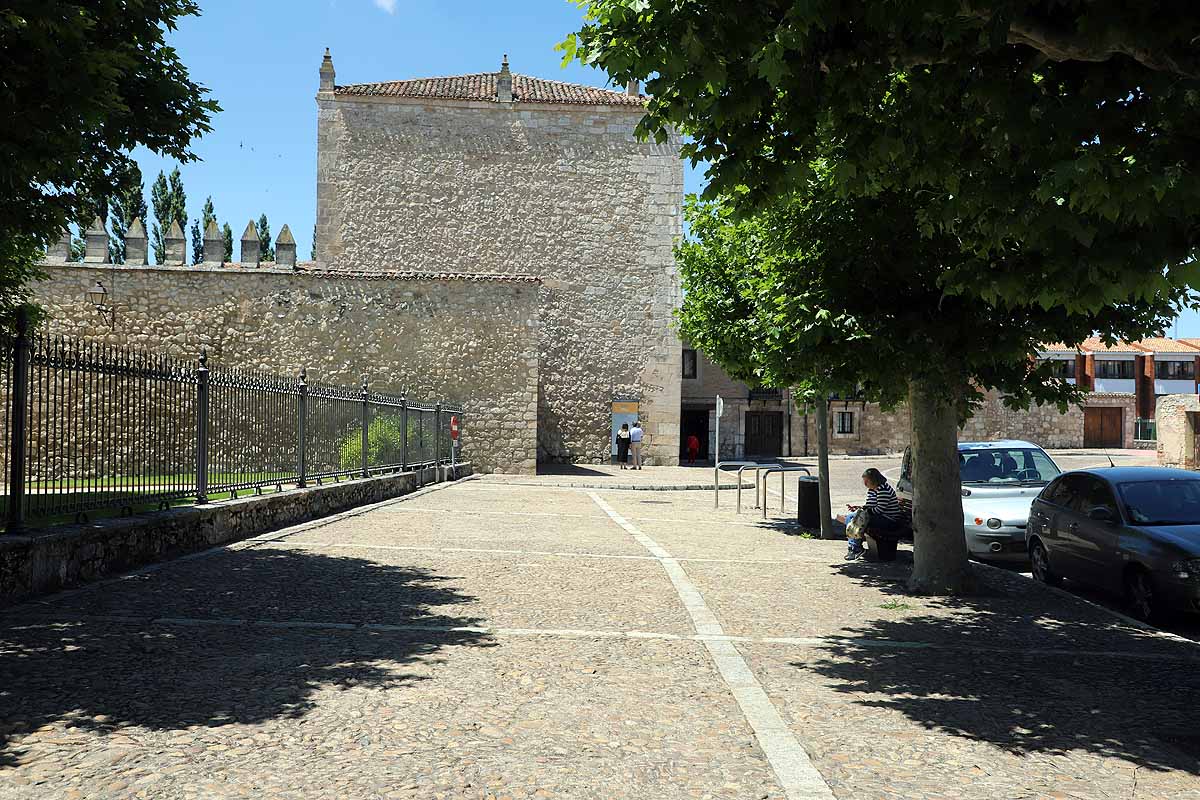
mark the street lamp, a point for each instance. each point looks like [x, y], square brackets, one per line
[98, 297]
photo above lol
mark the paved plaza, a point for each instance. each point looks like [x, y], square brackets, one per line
[529, 639]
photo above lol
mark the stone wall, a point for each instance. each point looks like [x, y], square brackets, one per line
[879, 431]
[47, 561]
[472, 341]
[1175, 425]
[566, 193]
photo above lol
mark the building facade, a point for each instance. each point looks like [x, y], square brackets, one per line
[502, 173]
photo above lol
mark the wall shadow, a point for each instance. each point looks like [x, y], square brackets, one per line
[72, 659]
[1050, 695]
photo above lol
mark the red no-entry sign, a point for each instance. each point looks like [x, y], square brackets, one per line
[454, 427]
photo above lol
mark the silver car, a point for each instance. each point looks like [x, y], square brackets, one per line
[999, 483]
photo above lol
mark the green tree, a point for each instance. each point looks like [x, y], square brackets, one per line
[83, 85]
[830, 294]
[1048, 142]
[228, 233]
[170, 205]
[266, 250]
[207, 214]
[128, 203]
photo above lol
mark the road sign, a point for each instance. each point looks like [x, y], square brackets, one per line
[454, 427]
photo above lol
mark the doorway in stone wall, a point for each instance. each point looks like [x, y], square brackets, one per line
[764, 434]
[1103, 427]
[693, 421]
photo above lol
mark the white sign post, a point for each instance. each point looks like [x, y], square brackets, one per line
[454, 446]
[717, 455]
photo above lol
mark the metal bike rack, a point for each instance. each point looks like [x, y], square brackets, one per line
[717, 478]
[757, 468]
[782, 485]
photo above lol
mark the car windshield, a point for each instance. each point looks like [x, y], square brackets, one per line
[1172, 502]
[1006, 466]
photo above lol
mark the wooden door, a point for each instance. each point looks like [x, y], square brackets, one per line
[1103, 427]
[764, 434]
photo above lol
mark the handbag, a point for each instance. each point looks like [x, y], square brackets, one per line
[857, 529]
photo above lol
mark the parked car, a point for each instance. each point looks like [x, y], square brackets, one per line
[999, 482]
[1133, 530]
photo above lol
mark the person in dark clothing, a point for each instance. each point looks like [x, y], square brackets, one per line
[623, 445]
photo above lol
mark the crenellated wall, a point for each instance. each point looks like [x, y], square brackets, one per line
[563, 192]
[467, 339]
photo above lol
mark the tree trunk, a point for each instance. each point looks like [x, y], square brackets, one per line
[940, 563]
[822, 413]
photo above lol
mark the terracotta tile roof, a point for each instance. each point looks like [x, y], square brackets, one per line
[1094, 345]
[1192, 342]
[482, 86]
[1161, 344]
[1056, 347]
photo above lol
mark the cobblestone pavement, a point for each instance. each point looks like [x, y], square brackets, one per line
[488, 640]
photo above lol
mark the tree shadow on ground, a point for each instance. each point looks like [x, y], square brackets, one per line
[98, 661]
[567, 470]
[1023, 669]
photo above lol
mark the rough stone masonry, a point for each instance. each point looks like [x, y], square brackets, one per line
[504, 173]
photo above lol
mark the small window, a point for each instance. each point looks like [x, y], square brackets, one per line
[1062, 368]
[1175, 370]
[689, 364]
[845, 422]
[1122, 370]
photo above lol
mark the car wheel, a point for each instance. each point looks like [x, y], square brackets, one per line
[1140, 595]
[1041, 565]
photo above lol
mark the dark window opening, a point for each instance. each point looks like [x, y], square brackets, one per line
[1114, 369]
[1175, 370]
[689, 364]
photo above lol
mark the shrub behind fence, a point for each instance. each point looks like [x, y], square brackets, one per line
[90, 428]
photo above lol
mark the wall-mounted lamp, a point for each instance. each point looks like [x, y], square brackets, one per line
[98, 297]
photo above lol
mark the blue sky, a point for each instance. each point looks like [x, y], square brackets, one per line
[260, 59]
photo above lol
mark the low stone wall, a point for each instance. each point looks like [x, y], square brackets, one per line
[1175, 427]
[47, 561]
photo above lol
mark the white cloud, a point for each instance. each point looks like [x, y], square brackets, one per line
[387, 5]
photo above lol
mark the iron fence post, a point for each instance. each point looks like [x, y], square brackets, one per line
[366, 397]
[19, 410]
[404, 437]
[302, 430]
[437, 438]
[202, 389]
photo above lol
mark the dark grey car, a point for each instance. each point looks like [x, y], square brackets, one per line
[1132, 530]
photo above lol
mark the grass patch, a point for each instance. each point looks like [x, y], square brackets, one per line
[895, 605]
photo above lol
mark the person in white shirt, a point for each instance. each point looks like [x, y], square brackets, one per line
[635, 444]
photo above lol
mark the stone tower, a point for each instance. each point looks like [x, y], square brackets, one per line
[499, 172]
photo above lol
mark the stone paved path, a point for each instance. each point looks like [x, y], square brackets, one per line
[487, 640]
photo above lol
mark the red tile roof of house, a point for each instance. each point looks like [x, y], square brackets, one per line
[482, 86]
[1161, 344]
[1094, 345]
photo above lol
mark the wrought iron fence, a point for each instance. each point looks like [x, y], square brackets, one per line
[1144, 430]
[92, 429]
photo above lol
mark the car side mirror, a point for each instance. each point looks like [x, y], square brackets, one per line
[1100, 514]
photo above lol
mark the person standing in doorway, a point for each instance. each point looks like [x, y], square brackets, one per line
[635, 443]
[693, 448]
[623, 446]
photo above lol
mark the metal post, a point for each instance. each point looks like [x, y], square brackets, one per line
[18, 410]
[404, 437]
[822, 412]
[437, 440]
[302, 430]
[717, 457]
[202, 429]
[366, 398]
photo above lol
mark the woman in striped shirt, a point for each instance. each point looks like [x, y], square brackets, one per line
[884, 506]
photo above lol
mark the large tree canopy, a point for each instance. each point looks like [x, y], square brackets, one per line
[81, 85]
[950, 183]
[840, 295]
[1064, 132]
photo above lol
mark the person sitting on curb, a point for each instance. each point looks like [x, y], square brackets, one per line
[883, 506]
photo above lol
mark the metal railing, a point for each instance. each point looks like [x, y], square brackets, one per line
[1145, 430]
[91, 428]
